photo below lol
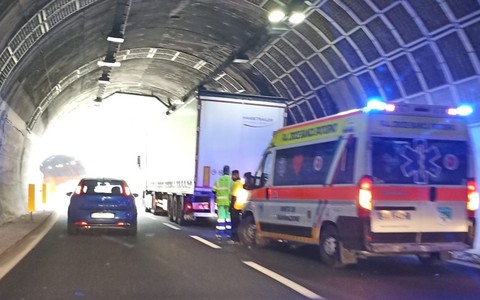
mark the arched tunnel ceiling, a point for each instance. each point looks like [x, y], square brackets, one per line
[346, 51]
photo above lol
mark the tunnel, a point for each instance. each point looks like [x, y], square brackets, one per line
[73, 70]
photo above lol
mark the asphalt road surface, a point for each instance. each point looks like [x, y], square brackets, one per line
[165, 261]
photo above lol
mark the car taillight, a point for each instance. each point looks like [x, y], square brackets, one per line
[126, 190]
[79, 190]
[365, 196]
[188, 206]
[472, 197]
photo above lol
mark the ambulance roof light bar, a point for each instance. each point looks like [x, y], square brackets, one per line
[379, 105]
[462, 110]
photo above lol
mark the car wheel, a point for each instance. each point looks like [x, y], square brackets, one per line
[330, 247]
[247, 231]
[71, 229]
[430, 258]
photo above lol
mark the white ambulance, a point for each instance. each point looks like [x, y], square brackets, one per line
[388, 179]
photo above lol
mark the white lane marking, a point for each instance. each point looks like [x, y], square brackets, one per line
[171, 226]
[151, 217]
[108, 238]
[287, 282]
[208, 243]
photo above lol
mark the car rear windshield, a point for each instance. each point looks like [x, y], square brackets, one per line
[419, 161]
[97, 186]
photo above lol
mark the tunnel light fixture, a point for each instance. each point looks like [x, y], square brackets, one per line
[276, 16]
[104, 79]
[108, 62]
[115, 37]
[241, 59]
[296, 17]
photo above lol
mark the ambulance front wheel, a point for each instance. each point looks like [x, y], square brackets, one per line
[330, 247]
[246, 231]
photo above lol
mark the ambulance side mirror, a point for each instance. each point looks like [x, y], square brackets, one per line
[249, 181]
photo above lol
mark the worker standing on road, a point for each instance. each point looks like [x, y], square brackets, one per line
[236, 206]
[222, 189]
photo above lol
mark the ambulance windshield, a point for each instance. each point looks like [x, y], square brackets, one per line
[419, 161]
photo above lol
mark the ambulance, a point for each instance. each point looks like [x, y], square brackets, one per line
[388, 179]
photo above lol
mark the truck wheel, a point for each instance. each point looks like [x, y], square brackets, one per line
[170, 209]
[180, 220]
[153, 208]
[329, 247]
[430, 259]
[247, 231]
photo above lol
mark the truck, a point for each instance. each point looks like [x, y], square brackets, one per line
[187, 153]
[387, 179]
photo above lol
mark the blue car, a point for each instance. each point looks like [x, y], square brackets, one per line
[102, 203]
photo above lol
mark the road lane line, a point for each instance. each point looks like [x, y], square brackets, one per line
[151, 217]
[208, 243]
[171, 226]
[287, 282]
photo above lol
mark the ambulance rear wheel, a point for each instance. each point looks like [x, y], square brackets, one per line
[330, 247]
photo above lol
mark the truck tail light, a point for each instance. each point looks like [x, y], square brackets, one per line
[365, 196]
[472, 197]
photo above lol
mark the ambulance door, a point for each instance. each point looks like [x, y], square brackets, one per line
[419, 185]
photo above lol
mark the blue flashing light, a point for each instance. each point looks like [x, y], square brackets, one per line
[378, 105]
[462, 110]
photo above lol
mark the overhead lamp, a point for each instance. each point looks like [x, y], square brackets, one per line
[108, 62]
[104, 79]
[296, 17]
[241, 59]
[276, 16]
[115, 37]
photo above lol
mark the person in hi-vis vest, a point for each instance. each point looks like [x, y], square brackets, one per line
[223, 190]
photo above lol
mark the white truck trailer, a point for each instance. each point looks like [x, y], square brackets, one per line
[194, 143]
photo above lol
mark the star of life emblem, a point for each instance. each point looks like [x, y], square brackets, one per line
[421, 161]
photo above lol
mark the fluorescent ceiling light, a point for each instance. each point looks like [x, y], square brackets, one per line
[241, 59]
[111, 64]
[115, 39]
